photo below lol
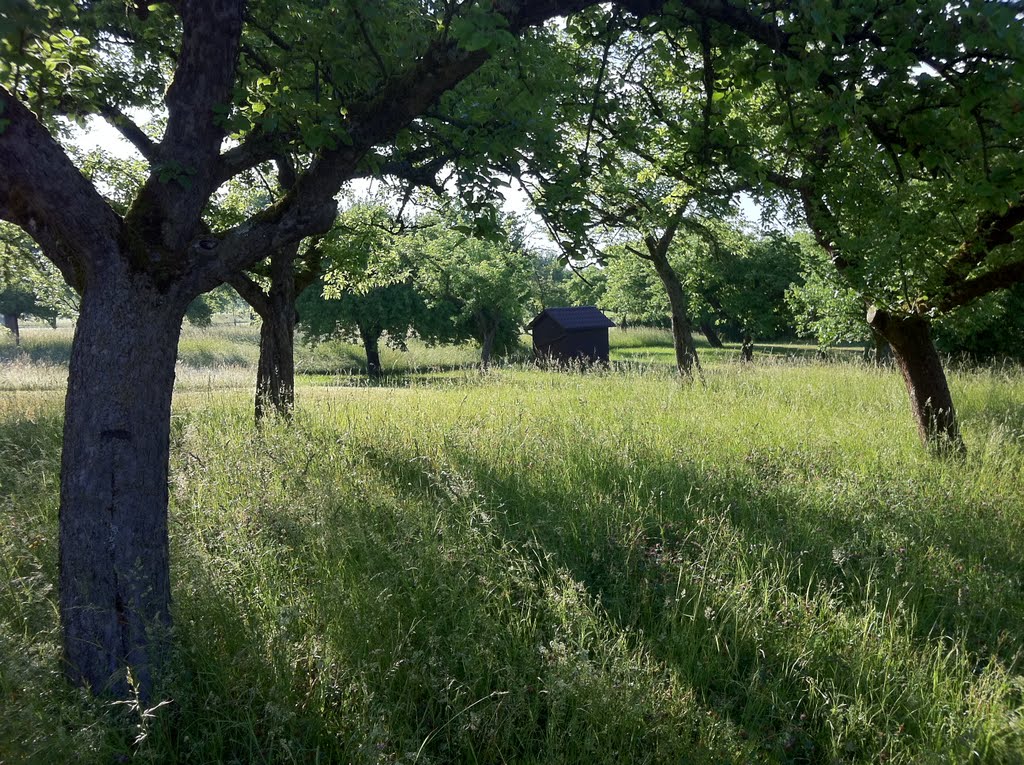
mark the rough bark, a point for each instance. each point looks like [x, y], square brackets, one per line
[11, 322]
[931, 403]
[709, 332]
[275, 374]
[114, 568]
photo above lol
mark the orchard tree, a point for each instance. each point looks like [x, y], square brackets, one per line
[621, 190]
[29, 285]
[827, 308]
[19, 301]
[741, 278]
[477, 288]
[905, 154]
[362, 314]
[272, 287]
[367, 286]
[633, 294]
[896, 131]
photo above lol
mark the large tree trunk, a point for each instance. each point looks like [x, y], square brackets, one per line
[371, 343]
[918, 361]
[682, 337]
[275, 375]
[11, 322]
[114, 571]
[709, 332]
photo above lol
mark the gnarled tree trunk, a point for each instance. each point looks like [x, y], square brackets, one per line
[275, 375]
[371, 343]
[682, 336]
[11, 322]
[910, 339]
[115, 592]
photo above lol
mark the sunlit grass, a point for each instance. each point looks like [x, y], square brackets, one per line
[523, 565]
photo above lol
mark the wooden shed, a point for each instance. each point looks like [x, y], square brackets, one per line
[574, 333]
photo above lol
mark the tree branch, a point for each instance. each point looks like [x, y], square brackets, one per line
[992, 230]
[44, 193]
[309, 207]
[146, 146]
[257, 148]
[251, 293]
[167, 212]
[1003, 277]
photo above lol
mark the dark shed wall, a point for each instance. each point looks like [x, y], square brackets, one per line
[545, 333]
[551, 341]
[590, 344]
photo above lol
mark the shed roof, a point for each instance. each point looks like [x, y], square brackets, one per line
[574, 317]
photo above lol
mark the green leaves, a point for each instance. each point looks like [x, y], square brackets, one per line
[481, 28]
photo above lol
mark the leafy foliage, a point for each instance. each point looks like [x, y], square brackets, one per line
[476, 288]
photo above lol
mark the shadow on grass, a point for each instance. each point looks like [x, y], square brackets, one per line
[37, 348]
[669, 578]
[421, 648]
[428, 612]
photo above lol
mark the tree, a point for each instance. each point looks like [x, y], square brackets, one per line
[17, 302]
[362, 314]
[741, 279]
[341, 82]
[621, 190]
[368, 287]
[634, 295]
[828, 309]
[915, 193]
[476, 288]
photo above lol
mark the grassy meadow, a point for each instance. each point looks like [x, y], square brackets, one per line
[544, 567]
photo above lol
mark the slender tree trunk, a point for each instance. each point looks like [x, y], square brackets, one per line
[747, 347]
[880, 352]
[11, 322]
[115, 592]
[914, 351]
[708, 330]
[487, 347]
[275, 375]
[682, 337]
[371, 342]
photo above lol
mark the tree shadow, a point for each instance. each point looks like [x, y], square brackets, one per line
[665, 576]
[421, 643]
[52, 350]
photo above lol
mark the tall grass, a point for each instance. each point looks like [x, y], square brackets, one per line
[540, 567]
[639, 337]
